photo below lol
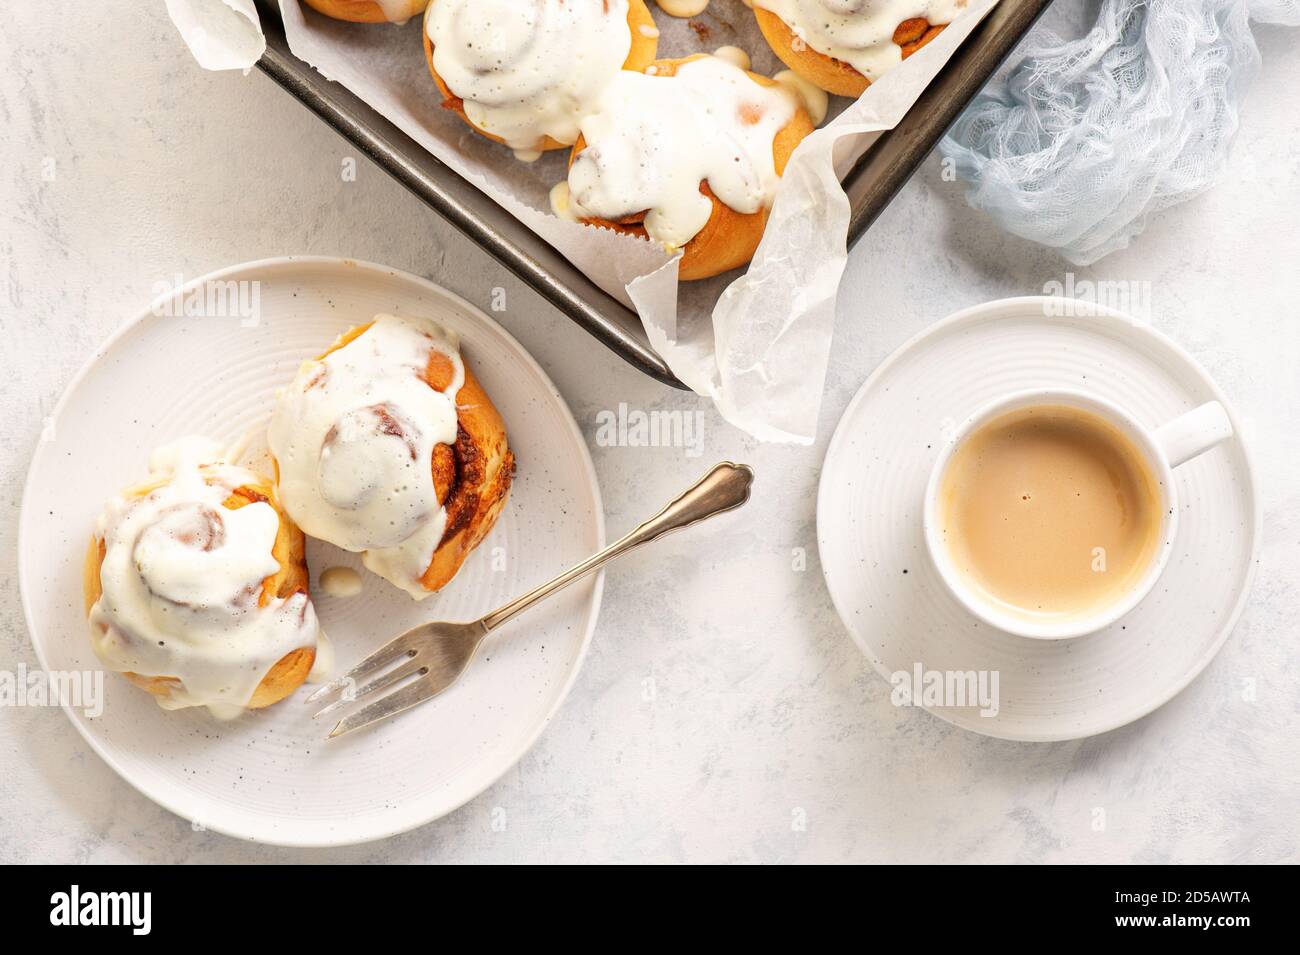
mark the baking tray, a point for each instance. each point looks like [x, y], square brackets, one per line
[870, 184]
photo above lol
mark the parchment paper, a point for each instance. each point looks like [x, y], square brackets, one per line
[221, 34]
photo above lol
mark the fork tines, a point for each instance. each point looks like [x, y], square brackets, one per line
[405, 646]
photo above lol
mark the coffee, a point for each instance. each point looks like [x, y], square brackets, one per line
[1051, 511]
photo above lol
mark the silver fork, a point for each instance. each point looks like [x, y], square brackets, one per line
[434, 655]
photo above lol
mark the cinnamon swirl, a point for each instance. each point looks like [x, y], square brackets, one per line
[369, 11]
[524, 72]
[689, 154]
[196, 586]
[387, 445]
[842, 46]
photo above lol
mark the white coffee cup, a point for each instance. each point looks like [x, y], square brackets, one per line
[1164, 448]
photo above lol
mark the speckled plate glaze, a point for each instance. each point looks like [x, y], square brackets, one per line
[889, 595]
[269, 776]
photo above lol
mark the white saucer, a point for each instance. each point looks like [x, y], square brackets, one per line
[889, 596]
[269, 776]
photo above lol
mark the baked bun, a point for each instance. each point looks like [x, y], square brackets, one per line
[729, 238]
[369, 11]
[822, 70]
[547, 86]
[159, 607]
[411, 470]
[472, 478]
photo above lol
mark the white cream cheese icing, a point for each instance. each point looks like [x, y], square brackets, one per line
[181, 583]
[528, 69]
[858, 32]
[654, 139]
[353, 437]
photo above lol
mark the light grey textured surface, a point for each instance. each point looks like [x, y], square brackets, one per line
[723, 713]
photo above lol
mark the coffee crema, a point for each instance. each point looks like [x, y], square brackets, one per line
[1050, 511]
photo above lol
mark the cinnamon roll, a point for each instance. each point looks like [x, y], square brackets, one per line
[688, 154]
[842, 46]
[369, 11]
[523, 72]
[387, 445]
[196, 586]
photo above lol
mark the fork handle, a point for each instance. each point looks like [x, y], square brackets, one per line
[724, 488]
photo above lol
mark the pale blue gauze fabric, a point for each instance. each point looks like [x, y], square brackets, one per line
[1081, 140]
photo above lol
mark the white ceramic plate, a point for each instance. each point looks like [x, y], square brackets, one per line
[269, 776]
[869, 509]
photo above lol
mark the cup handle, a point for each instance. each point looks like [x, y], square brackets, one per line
[1193, 433]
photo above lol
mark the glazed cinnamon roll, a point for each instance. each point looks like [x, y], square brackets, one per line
[387, 445]
[841, 46]
[523, 72]
[196, 586]
[369, 11]
[688, 154]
